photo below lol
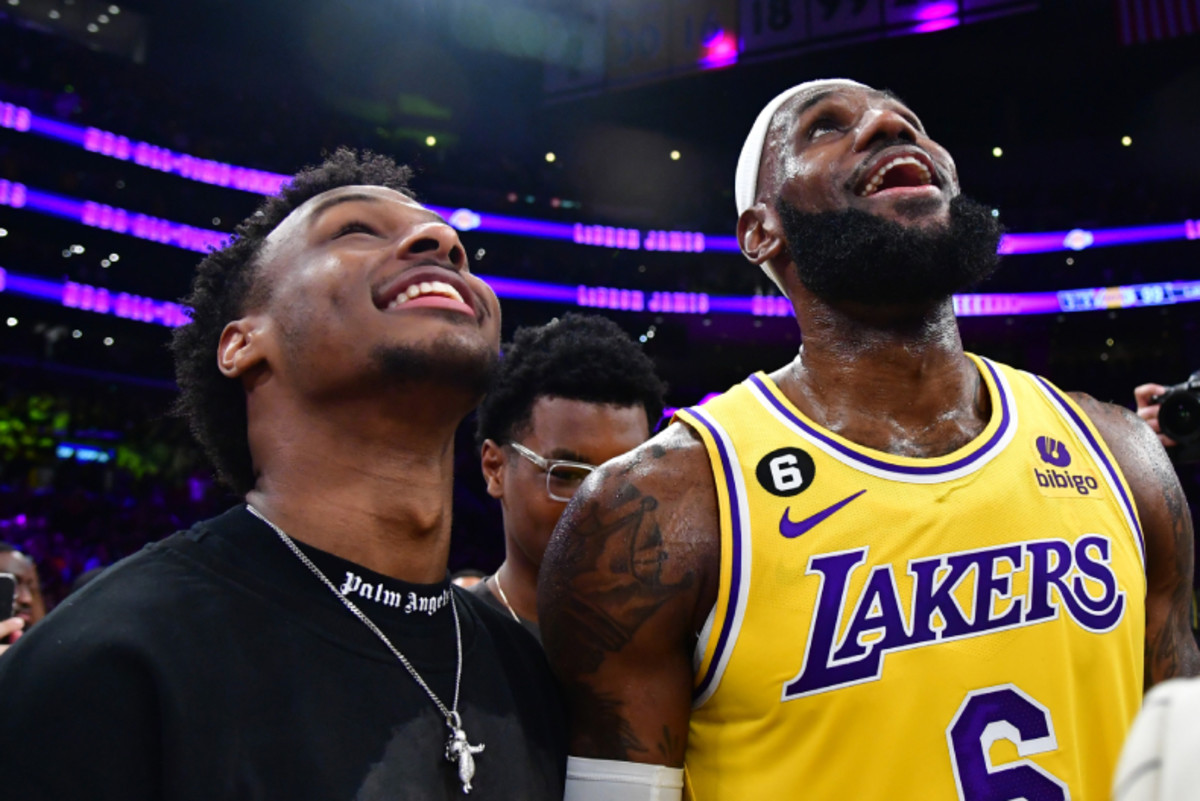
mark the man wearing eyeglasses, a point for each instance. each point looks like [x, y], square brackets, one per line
[569, 396]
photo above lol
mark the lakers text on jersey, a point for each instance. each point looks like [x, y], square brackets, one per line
[969, 626]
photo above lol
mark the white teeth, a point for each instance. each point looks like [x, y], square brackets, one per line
[426, 288]
[876, 179]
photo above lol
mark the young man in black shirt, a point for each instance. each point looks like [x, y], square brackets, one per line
[308, 643]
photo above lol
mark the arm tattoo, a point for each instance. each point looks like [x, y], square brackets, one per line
[617, 592]
[671, 746]
[1170, 648]
[607, 731]
[614, 567]
[1172, 651]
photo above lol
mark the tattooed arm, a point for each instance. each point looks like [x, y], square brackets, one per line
[627, 580]
[1167, 528]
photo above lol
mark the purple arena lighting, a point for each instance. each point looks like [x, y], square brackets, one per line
[12, 194]
[936, 25]
[632, 239]
[518, 226]
[62, 131]
[17, 118]
[722, 244]
[109, 218]
[21, 119]
[30, 286]
[520, 289]
[160, 158]
[143, 226]
[607, 236]
[1081, 239]
[936, 16]
[669, 411]
[720, 50]
[95, 299]
[603, 297]
[463, 219]
[73, 295]
[937, 10]
[123, 304]
[676, 241]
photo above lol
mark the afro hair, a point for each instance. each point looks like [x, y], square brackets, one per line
[578, 357]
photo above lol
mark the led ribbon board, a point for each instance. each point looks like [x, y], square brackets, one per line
[217, 173]
[202, 240]
[99, 300]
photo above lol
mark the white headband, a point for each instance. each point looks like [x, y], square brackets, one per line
[745, 181]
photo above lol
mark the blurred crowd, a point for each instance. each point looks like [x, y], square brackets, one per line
[71, 517]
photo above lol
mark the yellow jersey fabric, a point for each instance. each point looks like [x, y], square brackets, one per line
[969, 626]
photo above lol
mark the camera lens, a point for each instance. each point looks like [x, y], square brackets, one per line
[1179, 416]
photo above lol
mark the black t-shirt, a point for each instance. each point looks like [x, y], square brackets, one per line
[486, 590]
[215, 665]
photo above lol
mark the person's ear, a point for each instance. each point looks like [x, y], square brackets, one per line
[240, 348]
[492, 459]
[759, 235]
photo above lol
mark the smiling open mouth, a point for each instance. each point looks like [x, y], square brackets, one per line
[901, 171]
[431, 289]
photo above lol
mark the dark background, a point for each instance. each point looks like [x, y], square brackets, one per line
[270, 84]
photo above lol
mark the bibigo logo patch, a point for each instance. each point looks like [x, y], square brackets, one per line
[1058, 475]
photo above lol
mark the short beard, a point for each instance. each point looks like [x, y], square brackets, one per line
[853, 256]
[446, 364]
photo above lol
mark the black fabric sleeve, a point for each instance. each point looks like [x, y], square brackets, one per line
[78, 714]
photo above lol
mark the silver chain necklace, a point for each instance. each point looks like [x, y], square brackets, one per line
[458, 749]
[503, 597]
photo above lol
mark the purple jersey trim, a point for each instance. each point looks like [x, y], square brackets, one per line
[736, 566]
[1108, 466]
[879, 464]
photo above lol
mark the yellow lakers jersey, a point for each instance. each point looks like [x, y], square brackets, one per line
[969, 626]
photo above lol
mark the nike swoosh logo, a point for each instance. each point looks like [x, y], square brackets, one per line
[792, 530]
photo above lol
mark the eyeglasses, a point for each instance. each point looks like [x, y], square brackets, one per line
[562, 477]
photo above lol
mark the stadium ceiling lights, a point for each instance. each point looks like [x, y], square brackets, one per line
[72, 295]
[261, 182]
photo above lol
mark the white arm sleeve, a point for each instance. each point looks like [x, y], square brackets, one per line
[614, 780]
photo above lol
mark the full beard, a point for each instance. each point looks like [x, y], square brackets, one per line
[853, 256]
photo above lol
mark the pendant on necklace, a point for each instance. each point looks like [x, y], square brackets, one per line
[458, 749]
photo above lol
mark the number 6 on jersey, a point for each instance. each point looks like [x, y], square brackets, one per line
[997, 713]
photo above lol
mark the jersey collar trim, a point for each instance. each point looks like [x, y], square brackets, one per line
[989, 444]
